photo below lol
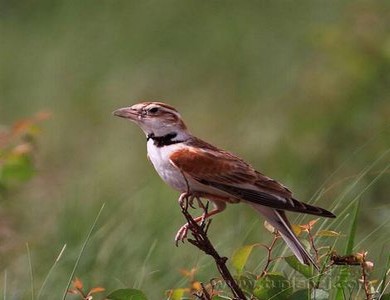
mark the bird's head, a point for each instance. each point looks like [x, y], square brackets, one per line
[155, 118]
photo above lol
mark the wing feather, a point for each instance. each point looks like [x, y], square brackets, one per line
[228, 173]
[205, 161]
[213, 166]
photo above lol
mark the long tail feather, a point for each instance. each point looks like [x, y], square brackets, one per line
[278, 219]
[259, 197]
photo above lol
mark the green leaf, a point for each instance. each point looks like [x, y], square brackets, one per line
[385, 297]
[127, 294]
[240, 257]
[247, 282]
[319, 294]
[176, 294]
[294, 263]
[300, 295]
[384, 277]
[273, 286]
[17, 169]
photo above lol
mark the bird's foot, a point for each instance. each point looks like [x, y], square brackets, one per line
[192, 199]
[181, 234]
[184, 200]
[188, 199]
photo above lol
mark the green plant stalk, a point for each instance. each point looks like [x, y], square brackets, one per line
[324, 268]
[81, 252]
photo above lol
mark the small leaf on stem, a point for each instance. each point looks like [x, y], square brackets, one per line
[240, 257]
[294, 263]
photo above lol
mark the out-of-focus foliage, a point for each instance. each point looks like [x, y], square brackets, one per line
[17, 145]
[299, 89]
[124, 294]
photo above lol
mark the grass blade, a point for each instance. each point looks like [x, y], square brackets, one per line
[50, 271]
[5, 285]
[81, 252]
[352, 231]
[372, 233]
[31, 271]
[384, 278]
[143, 269]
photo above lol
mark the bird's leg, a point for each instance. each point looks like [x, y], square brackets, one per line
[185, 199]
[183, 231]
[204, 207]
[191, 200]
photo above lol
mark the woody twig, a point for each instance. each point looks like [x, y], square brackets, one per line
[202, 242]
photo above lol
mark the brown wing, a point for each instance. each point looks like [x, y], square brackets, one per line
[205, 161]
[224, 171]
[267, 183]
[211, 166]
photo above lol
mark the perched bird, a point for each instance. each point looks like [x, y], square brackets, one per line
[198, 169]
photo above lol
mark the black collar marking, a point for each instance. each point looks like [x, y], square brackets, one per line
[165, 140]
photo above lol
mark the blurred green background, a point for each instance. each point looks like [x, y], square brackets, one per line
[300, 89]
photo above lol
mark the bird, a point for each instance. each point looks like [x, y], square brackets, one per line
[198, 169]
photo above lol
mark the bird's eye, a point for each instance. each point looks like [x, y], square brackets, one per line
[153, 110]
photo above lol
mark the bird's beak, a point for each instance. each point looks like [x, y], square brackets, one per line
[127, 113]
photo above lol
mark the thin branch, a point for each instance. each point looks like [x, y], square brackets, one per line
[202, 242]
[269, 252]
[313, 246]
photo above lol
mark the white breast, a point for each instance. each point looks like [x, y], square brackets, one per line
[172, 176]
[160, 160]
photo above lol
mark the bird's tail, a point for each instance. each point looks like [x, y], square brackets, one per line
[279, 221]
